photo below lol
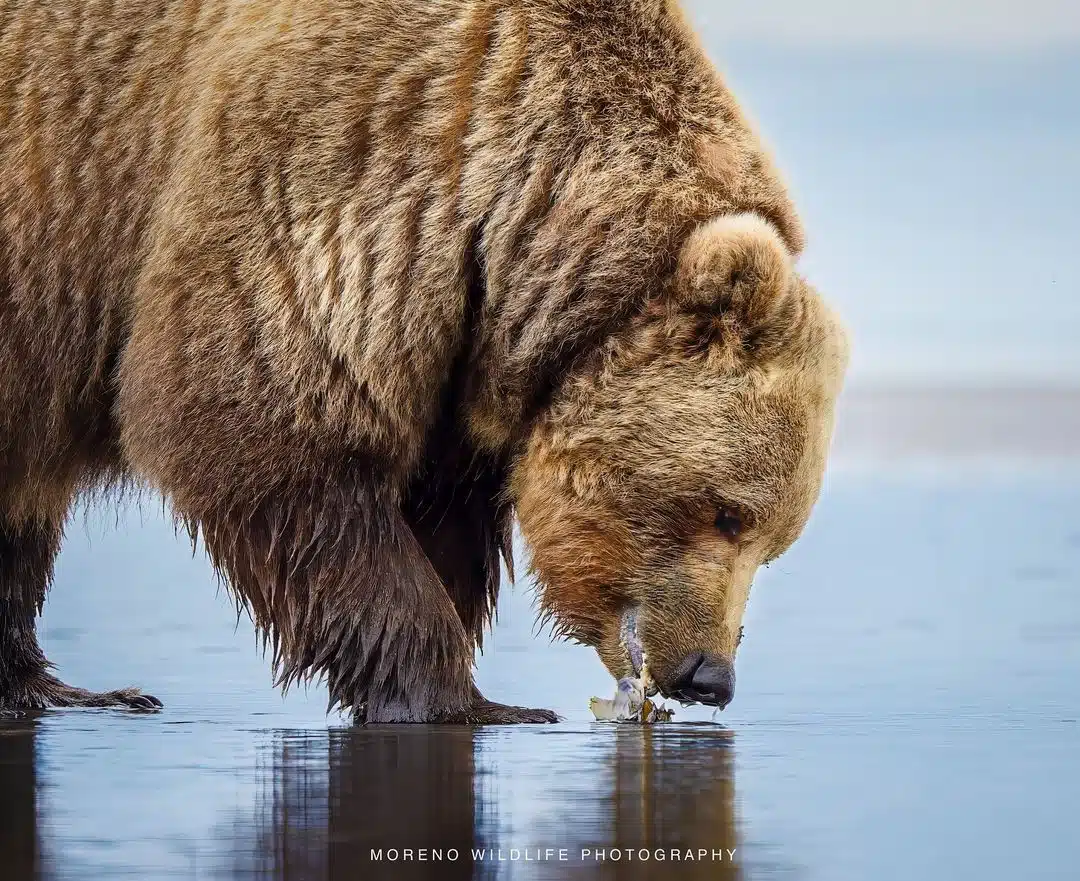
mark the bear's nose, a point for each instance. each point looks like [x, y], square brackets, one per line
[703, 679]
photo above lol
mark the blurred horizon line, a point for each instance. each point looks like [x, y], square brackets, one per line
[945, 420]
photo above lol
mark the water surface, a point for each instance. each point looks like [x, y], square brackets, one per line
[908, 706]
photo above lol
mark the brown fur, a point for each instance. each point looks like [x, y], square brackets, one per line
[326, 273]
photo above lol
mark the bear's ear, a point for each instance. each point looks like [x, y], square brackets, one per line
[736, 267]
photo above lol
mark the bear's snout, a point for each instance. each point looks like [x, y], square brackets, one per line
[702, 679]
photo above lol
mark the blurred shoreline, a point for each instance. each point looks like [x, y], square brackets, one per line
[899, 421]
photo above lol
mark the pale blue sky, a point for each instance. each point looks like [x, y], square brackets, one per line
[939, 183]
[941, 23]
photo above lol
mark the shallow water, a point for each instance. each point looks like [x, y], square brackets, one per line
[908, 706]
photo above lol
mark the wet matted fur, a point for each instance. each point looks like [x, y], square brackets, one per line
[326, 274]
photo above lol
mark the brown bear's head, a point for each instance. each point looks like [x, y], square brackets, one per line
[687, 452]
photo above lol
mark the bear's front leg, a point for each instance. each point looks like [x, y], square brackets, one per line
[341, 588]
[456, 512]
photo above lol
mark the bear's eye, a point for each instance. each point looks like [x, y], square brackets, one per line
[729, 523]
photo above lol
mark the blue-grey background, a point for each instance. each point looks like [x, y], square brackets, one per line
[909, 694]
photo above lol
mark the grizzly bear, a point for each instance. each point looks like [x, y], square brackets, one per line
[354, 283]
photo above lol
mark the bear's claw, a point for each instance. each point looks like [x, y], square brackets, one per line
[144, 702]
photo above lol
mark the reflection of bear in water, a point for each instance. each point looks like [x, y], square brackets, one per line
[325, 802]
[325, 805]
[20, 848]
[352, 282]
